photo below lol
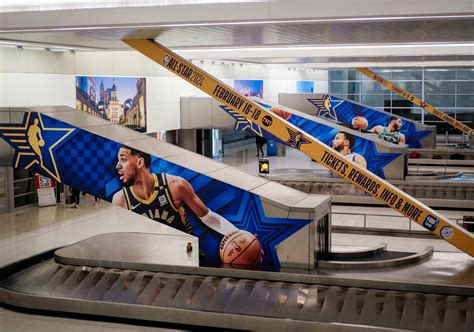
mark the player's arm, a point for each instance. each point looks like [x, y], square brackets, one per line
[376, 129]
[360, 160]
[211, 219]
[119, 199]
[402, 139]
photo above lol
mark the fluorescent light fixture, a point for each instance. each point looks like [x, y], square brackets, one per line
[51, 47]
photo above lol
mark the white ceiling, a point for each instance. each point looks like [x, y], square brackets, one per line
[308, 34]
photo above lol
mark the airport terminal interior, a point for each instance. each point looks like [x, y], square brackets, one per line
[236, 165]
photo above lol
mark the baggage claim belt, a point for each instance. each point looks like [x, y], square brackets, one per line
[417, 101]
[310, 146]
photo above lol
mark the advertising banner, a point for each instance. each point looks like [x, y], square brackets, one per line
[231, 223]
[249, 88]
[417, 101]
[120, 100]
[305, 86]
[298, 139]
[357, 149]
[388, 127]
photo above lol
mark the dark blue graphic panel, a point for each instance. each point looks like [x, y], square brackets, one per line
[376, 161]
[88, 162]
[344, 111]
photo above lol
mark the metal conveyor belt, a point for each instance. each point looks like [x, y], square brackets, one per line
[223, 302]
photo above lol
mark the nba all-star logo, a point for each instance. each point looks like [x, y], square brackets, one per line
[35, 143]
[323, 104]
[296, 139]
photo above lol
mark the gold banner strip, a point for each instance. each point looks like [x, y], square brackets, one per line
[417, 101]
[293, 136]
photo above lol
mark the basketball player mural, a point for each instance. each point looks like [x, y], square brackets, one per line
[343, 143]
[163, 197]
[391, 133]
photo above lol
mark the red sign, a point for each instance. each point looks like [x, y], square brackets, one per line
[43, 182]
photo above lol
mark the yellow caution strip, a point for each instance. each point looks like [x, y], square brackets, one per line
[293, 136]
[417, 101]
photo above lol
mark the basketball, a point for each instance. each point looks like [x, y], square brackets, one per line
[360, 122]
[41, 143]
[240, 247]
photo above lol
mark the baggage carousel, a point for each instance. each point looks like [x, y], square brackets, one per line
[434, 188]
[131, 275]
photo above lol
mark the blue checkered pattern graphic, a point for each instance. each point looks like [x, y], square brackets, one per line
[88, 162]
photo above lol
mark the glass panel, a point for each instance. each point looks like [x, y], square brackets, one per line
[465, 114]
[353, 97]
[374, 88]
[407, 113]
[466, 74]
[448, 111]
[414, 88]
[440, 74]
[440, 87]
[375, 100]
[345, 87]
[399, 101]
[336, 74]
[337, 88]
[465, 100]
[407, 74]
[440, 100]
[466, 87]
[385, 73]
[344, 75]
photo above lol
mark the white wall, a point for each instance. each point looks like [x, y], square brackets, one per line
[36, 77]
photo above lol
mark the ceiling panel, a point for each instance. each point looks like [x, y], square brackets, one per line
[415, 31]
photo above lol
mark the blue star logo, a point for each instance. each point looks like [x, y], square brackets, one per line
[376, 161]
[296, 139]
[241, 122]
[35, 144]
[323, 104]
[270, 231]
[412, 135]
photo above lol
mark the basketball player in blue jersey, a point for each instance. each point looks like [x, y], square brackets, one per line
[343, 143]
[161, 197]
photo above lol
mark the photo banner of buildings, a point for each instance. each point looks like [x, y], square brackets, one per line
[120, 100]
[249, 88]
